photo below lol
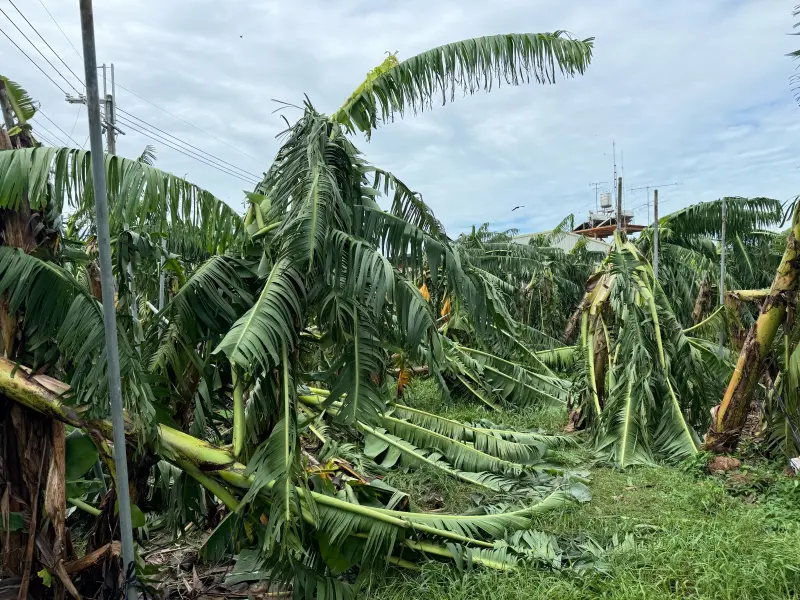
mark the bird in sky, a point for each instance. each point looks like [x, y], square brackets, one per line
[516, 207]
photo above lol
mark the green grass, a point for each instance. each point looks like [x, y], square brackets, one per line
[697, 536]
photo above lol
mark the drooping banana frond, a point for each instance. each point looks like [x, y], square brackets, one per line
[493, 525]
[469, 66]
[636, 406]
[493, 444]
[257, 336]
[363, 356]
[275, 466]
[59, 309]
[20, 99]
[388, 450]
[509, 380]
[408, 205]
[139, 195]
[460, 454]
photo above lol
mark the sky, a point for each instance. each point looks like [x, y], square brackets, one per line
[695, 93]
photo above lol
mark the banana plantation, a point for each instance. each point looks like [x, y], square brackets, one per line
[269, 359]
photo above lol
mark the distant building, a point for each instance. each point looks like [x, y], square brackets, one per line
[604, 223]
[566, 241]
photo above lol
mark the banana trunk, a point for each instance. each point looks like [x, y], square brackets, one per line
[726, 427]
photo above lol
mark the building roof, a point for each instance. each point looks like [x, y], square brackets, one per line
[566, 241]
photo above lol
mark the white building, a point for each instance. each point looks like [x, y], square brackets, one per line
[566, 241]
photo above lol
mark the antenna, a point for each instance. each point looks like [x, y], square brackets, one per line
[650, 187]
[596, 185]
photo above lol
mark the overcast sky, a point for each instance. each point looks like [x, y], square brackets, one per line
[695, 92]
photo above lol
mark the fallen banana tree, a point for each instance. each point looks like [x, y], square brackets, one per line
[644, 382]
[395, 533]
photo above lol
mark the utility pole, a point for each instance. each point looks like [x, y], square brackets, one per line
[109, 110]
[619, 203]
[111, 148]
[111, 139]
[722, 270]
[655, 233]
[107, 286]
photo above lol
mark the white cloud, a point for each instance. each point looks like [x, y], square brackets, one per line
[695, 92]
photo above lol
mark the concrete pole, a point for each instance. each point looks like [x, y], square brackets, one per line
[655, 233]
[107, 285]
[619, 203]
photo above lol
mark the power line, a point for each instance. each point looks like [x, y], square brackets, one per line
[208, 159]
[77, 116]
[61, 30]
[145, 123]
[201, 159]
[35, 64]
[129, 91]
[36, 31]
[41, 136]
[53, 135]
[69, 137]
[35, 47]
[188, 123]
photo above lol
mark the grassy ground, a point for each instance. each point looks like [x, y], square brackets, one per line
[696, 536]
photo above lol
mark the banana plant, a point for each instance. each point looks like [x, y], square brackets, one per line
[645, 383]
[311, 287]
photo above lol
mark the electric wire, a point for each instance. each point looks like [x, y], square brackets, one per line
[177, 139]
[51, 134]
[77, 116]
[136, 128]
[36, 31]
[41, 137]
[35, 47]
[174, 116]
[203, 157]
[61, 30]
[35, 64]
[69, 137]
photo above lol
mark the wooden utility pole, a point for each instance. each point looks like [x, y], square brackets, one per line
[655, 233]
[619, 203]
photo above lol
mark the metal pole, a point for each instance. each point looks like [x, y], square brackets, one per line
[113, 101]
[619, 203]
[161, 278]
[722, 270]
[107, 283]
[655, 232]
[111, 146]
[111, 111]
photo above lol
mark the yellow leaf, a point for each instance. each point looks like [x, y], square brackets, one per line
[446, 307]
[425, 293]
[402, 380]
